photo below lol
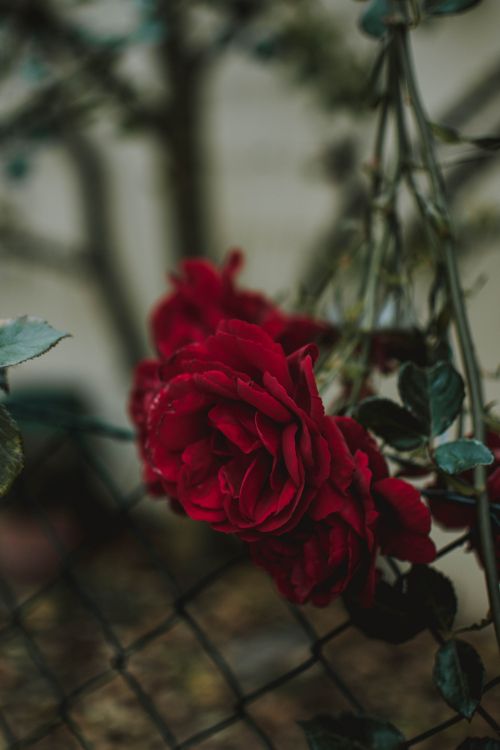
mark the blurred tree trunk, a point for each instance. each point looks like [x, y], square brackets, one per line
[102, 260]
[181, 140]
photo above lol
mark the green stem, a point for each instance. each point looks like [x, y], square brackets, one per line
[466, 344]
[375, 250]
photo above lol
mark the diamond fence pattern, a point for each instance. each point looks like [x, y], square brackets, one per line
[123, 659]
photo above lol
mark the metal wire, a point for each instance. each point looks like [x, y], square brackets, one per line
[178, 601]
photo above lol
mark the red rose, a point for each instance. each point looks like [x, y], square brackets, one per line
[316, 563]
[404, 522]
[205, 295]
[336, 545]
[236, 433]
[457, 515]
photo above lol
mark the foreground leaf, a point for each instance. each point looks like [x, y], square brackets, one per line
[462, 455]
[422, 598]
[11, 450]
[448, 7]
[433, 594]
[479, 743]
[25, 338]
[459, 676]
[433, 394]
[350, 732]
[374, 19]
[4, 383]
[392, 618]
[394, 424]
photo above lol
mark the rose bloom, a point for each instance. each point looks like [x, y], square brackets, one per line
[236, 432]
[455, 515]
[204, 295]
[337, 546]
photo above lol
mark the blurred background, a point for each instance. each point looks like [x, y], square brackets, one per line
[136, 133]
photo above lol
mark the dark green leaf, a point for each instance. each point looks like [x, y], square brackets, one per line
[11, 450]
[459, 676]
[432, 594]
[433, 394]
[479, 743]
[350, 732]
[394, 424]
[25, 338]
[462, 455]
[375, 18]
[392, 618]
[448, 7]
[420, 599]
[4, 383]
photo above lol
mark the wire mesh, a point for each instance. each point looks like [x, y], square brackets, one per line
[180, 607]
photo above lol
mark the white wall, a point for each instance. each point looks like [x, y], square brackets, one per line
[267, 196]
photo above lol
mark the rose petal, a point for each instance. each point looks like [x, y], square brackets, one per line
[237, 424]
[405, 502]
[248, 348]
[357, 438]
[263, 401]
[405, 545]
[268, 433]
[290, 454]
[342, 461]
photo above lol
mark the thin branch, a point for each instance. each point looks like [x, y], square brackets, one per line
[92, 183]
[464, 335]
[95, 62]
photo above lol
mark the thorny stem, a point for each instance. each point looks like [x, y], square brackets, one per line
[466, 344]
[375, 250]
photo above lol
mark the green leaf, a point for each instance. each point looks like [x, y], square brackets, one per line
[422, 598]
[448, 7]
[433, 595]
[459, 676]
[433, 394]
[25, 338]
[374, 19]
[479, 743]
[11, 450]
[462, 455]
[4, 383]
[394, 424]
[350, 732]
[393, 616]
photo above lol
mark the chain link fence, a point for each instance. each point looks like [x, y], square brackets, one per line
[134, 629]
